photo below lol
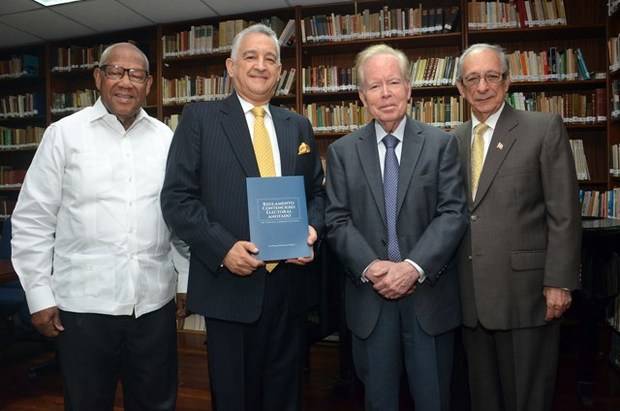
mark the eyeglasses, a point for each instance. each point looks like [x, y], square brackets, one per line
[114, 72]
[491, 77]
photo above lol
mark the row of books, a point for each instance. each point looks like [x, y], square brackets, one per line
[172, 121]
[328, 79]
[187, 89]
[16, 138]
[381, 24]
[7, 206]
[208, 39]
[336, 118]
[22, 105]
[433, 71]
[11, 177]
[552, 64]
[613, 50]
[205, 38]
[68, 102]
[444, 112]
[484, 15]
[77, 57]
[579, 155]
[600, 203]
[573, 107]
[615, 160]
[19, 66]
[547, 65]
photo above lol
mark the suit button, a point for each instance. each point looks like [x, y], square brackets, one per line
[474, 218]
[469, 257]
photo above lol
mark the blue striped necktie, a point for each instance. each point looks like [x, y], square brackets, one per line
[390, 191]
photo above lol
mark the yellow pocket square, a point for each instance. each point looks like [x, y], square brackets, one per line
[303, 149]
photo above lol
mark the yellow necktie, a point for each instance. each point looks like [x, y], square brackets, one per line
[477, 156]
[263, 153]
[262, 144]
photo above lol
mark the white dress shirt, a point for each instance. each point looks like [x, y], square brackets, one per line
[271, 130]
[88, 232]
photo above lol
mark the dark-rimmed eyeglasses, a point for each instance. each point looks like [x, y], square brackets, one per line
[114, 72]
[492, 77]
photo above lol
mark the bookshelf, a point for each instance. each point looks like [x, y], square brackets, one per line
[22, 118]
[188, 64]
[193, 56]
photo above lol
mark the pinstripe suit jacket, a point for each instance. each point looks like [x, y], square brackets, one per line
[204, 200]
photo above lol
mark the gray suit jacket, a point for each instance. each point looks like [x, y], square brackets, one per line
[525, 228]
[431, 221]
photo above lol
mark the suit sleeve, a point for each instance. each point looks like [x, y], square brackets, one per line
[353, 250]
[438, 244]
[181, 202]
[560, 190]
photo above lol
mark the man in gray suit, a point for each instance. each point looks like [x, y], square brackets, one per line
[396, 214]
[520, 257]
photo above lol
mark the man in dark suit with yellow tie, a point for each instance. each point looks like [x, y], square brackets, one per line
[519, 259]
[254, 311]
[396, 214]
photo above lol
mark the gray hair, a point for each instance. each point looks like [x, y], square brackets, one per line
[368, 53]
[255, 28]
[499, 51]
[105, 56]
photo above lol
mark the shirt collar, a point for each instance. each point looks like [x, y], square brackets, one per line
[100, 111]
[399, 131]
[491, 121]
[247, 107]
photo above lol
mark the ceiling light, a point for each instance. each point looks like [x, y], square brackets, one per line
[48, 3]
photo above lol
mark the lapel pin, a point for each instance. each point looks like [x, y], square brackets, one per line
[500, 146]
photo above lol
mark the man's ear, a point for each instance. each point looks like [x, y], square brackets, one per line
[98, 76]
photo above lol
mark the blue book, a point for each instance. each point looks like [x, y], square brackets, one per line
[278, 217]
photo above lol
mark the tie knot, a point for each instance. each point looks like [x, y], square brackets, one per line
[258, 111]
[390, 141]
[480, 128]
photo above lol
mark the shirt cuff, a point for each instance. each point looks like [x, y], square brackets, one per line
[363, 276]
[420, 270]
[39, 299]
[182, 281]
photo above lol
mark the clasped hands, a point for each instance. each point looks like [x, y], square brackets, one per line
[392, 280]
[241, 258]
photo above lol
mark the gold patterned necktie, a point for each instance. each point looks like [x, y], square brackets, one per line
[263, 153]
[262, 144]
[477, 156]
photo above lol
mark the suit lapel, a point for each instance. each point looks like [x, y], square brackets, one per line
[412, 146]
[236, 130]
[465, 153]
[500, 145]
[287, 139]
[369, 160]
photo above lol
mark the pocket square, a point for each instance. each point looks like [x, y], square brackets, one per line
[303, 149]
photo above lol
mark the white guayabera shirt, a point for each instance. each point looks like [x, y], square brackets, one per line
[88, 232]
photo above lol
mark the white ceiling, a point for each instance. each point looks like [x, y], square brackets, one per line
[24, 22]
